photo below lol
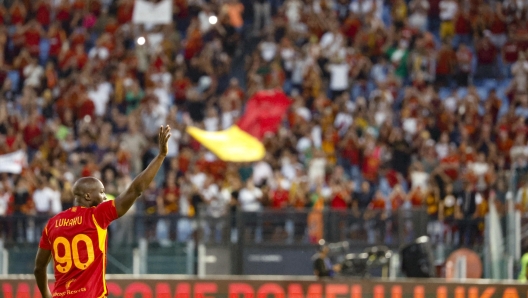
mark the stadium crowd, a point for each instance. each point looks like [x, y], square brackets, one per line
[395, 104]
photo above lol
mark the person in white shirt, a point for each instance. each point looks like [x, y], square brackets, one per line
[4, 201]
[442, 147]
[33, 74]
[262, 172]
[288, 162]
[196, 177]
[136, 143]
[46, 204]
[4, 204]
[203, 18]
[520, 73]
[366, 7]
[261, 15]
[268, 49]
[216, 210]
[299, 66]
[100, 93]
[293, 11]
[339, 72]
[100, 51]
[44, 198]
[211, 120]
[418, 18]
[344, 119]
[249, 199]
[153, 116]
[316, 169]
[448, 11]
[332, 42]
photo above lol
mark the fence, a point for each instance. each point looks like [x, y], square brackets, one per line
[266, 242]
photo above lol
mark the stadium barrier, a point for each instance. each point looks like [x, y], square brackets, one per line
[241, 243]
[169, 286]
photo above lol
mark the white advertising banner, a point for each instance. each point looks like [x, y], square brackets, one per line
[13, 162]
[146, 12]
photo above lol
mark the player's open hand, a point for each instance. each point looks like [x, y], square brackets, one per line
[163, 139]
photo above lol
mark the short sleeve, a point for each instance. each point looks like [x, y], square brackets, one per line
[105, 213]
[44, 240]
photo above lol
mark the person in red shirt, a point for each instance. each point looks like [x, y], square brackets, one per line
[371, 163]
[171, 193]
[96, 7]
[486, 58]
[32, 38]
[498, 27]
[56, 36]
[509, 55]
[77, 238]
[18, 13]
[33, 135]
[397, 198]
[504, 142]
[43, 13]
[18, 40]
[63, 15]
[74, 59]
[125, 9]
[378, 202]
[521, 35]
[351, 27]
[451, 163]
[85, 107]
[280, 196]
[445, 65]
[464, 58]
[416, 197]
[79, 5]
[3, 14]
[180, 86]
[462, 29]
[13, 140]
[78, 37]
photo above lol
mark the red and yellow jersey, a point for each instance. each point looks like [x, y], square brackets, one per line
[77, 239]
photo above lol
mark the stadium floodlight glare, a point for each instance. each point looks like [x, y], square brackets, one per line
[141, 40]
[213, 20]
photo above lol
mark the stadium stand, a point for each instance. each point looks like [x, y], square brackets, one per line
[397, 105]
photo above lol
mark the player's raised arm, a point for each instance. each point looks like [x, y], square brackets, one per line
[125, 200]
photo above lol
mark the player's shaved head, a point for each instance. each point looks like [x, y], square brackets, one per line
[86, 189]
[85, 185]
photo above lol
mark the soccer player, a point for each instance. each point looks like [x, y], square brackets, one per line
[77, 238]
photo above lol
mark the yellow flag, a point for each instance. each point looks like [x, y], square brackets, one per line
[232, 144]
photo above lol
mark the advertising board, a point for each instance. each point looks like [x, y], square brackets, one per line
[162, 286]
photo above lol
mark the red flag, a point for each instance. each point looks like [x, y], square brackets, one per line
[264, 112]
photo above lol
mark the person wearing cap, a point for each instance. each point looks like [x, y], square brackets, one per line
[322, 265]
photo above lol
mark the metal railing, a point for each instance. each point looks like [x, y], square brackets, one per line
[171, 244]
[289, 226]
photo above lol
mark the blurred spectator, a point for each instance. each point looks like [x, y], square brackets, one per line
[23, 206]
[5, 225]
